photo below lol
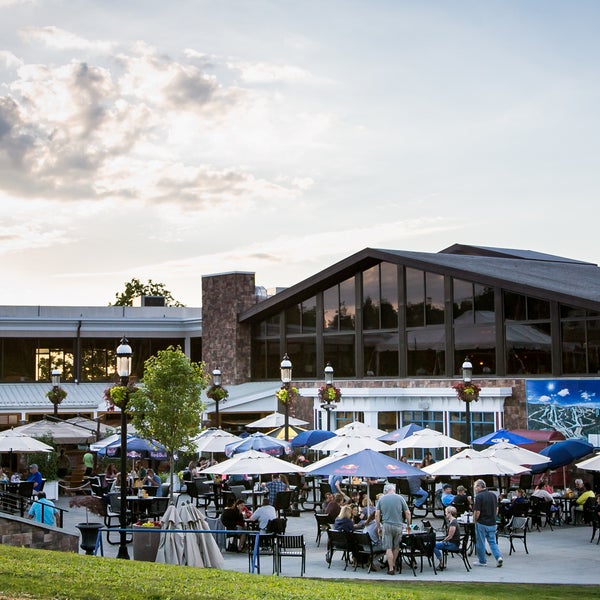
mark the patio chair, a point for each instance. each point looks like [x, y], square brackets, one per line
[113, 512]
[262, 544]
[283, 501]
[363, 546]
[340, 541]
[158, 507]
[290, 545]
[541, 513]
[422, 547]
[463, 551]
[323, 524]
[516, 529]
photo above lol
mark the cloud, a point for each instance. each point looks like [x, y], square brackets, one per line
[562, 393]
[55, 37]
[9, 60]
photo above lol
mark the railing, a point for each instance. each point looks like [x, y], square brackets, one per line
[15, 503]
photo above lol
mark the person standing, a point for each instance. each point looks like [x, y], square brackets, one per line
[274, 486]
[88, 463]
[389, 513]
[63, 464]
[484, 516]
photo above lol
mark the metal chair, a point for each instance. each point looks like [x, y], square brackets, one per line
[323, 524]
[290, 545]
[516, 529]
[364, 552]
[262, 544]
[341, 541]
[113, 511]
[463, 551]
[283, 501]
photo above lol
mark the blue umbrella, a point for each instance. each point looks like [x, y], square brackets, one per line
[503, 435]
[400, 434]
[563, 453]
[261, 442]
[369, 463]
[136, 446]
[311, 437]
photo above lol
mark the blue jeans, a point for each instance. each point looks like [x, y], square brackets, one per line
[439, 546]
[483, 533]
[420, 497]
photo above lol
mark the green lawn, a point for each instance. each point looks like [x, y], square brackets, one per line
[42, 574]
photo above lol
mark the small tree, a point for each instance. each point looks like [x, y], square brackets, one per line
[135, 288]
[167, 405]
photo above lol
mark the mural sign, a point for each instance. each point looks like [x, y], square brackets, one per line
[571, 406]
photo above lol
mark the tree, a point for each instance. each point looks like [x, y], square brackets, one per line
[167, 406]
[135, 288]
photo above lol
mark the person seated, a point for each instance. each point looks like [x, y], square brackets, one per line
[233, 519]
[3, 475]
[328, 498]
[264, 514]
[507, 509]
[333, 508]
[343, 521]
[36, 477]
[452, 540]
[583, 496]
[43, 510]
[447, 496]
[153, 480]
[416, 491]
[461, 501]
[367, 509]
[15, 477]
[542, 493]
[427, 460]
[356, 518]
[190, 472]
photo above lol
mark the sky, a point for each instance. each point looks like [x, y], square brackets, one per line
[171, 140]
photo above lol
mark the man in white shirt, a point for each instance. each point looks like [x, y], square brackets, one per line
[264, 514]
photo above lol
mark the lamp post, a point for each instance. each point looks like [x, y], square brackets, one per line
[216, 375]
[286, 379]
[55, 374]
[329, 404]
[467, 374]
[124, 371]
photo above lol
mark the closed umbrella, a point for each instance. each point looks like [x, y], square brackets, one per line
[13, 441]
[515, 454]
[502, 435]
[259, 441]
[428, 438]
[171, 545]
[311, 437]
[201, 549]
[400, 434]
[350, 444]
[470, 463]
[275, 420]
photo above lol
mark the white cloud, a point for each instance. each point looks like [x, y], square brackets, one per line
[55, 37]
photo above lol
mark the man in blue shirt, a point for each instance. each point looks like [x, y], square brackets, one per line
[36, 477]
[274, 486]
[43, 510]
[447, 496]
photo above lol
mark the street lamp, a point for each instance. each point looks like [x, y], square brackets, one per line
[216, 375]
[124, 371]
[55, 374]
[329, 403]
[286, 379]
[467, 374]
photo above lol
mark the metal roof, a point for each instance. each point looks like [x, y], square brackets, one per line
[567, 281]
[31, 397]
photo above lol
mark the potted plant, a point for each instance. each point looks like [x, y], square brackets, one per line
[145, 542]
[89, 531]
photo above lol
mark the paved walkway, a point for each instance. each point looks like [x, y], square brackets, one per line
[560, 556]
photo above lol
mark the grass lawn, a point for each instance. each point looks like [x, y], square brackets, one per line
[41, 574]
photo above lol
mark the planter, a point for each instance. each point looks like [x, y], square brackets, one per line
[89, 535]
[145, 543]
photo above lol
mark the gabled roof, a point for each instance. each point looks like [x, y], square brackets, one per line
[554, 278]
[31, 397]
[507, 253]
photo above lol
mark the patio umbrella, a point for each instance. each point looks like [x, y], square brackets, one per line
[91, 424]
[171, 545]
[502, 435]
[515, 454]
[325, 461]
[564, 453]
[275, 420]
[311, 437]
[214, 440]
[259, 441]
[400, 434]
[590, 464]
[470, 463]
[279, 433]
[200, 549]
[350, 444]
[358, 428]
[252, 462]
[136, 447]
[428, 438]
[13, 441]
[60, 431]
[368, 463]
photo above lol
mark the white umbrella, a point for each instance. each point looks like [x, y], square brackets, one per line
[61, 431]
[275, 420]
[351, 444]
[358, 428]
[252, 462]
[428, 438]
[171, 545]
[91, 424]
[325, 461]
[590, 464]
[514, 454]
[469, 462]
[200, 548]
[107, 441]
[214, 440]
[13, 441]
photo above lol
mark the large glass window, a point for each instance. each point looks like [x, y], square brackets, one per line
[18, 359]
[434, 296]
[573, 347]
[309, 315]
[371, 302]
[339, 304]
[381, 354]
[389, 295]
[340, 351]
[415, 298]
[482, 423]
[425, 348]
[303, 354]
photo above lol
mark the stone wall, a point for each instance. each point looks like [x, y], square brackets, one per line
[226, 344]
[15, 531]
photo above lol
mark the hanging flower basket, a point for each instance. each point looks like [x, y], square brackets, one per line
[284, 395]
[56, 395]
[217, 393]
[467, 392]
[117, 395]
[329, 394]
